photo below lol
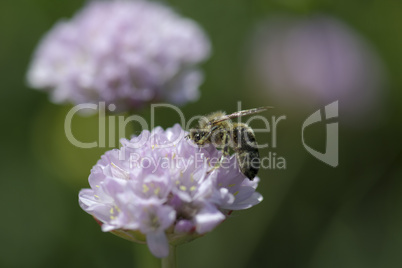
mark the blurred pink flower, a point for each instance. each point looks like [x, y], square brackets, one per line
[317, 60]
[124, 52]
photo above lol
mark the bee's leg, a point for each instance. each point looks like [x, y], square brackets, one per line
[207, 136]
[204, 139]
[225, 152]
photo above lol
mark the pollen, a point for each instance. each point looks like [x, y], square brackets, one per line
[154, 221]
[157, 191]
[236, 193]
[183, 188]
[113, 165]
[145, 188]
[231, 185]
[123, 172]
[192, 188]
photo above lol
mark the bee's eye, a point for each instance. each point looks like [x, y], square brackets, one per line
[197, 137]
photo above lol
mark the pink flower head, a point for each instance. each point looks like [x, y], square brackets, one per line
[124, 52]
[160, 188]
[317, 60]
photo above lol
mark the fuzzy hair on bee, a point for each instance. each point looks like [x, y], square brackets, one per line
[219, 130]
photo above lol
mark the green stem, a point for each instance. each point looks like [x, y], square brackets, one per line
[143, 257]
[170, 261]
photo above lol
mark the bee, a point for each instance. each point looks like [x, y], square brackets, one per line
[219, 130]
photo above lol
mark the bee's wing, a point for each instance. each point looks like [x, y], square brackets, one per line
[241, 113]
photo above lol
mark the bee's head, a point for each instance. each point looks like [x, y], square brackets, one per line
[196, 135]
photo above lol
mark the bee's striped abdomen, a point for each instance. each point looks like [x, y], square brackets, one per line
[247, 154]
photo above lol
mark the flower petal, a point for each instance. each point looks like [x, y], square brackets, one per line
[252, 200]
[158, 244]
[208, 218]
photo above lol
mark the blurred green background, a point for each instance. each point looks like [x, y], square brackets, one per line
[312, 215]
